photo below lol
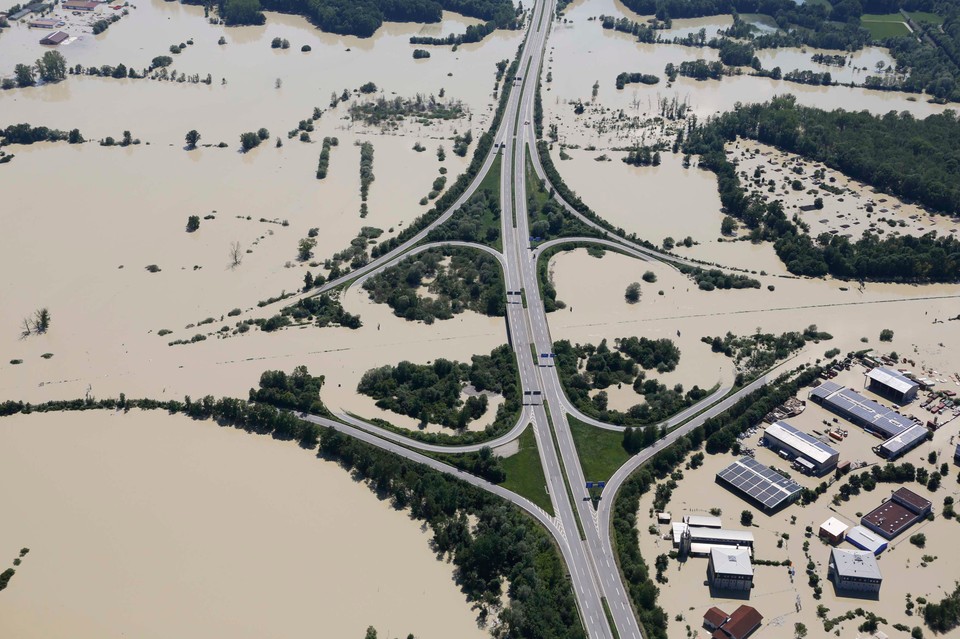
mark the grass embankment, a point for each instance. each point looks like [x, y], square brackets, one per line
[525, 473]
[601, 451]
[881, 26]
[924, 16]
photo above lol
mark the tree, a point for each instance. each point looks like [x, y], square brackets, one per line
[42, 322]
[193, 223]
[249, 140]
[52, 67]
[263, 134]
[632, 294]
[307, 281]
[650, 277]
[236, 254]
[305, 248]
[371, 633]
[886, 335]
[919, 540]
[728, 225]
[818, 203]
[192, 137]
[799, 630]
[746, 518]
[24, 75]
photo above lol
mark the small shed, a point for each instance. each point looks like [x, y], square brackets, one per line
[833, 530]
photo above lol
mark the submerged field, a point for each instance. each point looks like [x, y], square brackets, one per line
[147, 525]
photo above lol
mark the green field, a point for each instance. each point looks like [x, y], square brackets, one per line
[525, 474]
[887, 25]
[923, 16]
[601, 451]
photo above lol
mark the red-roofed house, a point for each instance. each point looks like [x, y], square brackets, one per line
[740, 625]
[714, 618]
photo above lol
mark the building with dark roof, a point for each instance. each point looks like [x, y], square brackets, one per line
[854, 571]
[798, 445]
[55, 38]
[759, 484]
[902, 510]
[892, 384]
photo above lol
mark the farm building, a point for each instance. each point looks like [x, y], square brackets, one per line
[820, 459]
[730, 569]
[854, 571]
[833, 530]
[703, 521]
[46, 23]
[55, 38]
[892, 384]
[80, 5]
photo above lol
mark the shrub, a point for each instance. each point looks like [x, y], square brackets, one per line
[650, 277]
[886, 335]
[919, 540]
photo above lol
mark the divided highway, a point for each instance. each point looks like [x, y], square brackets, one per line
[594, 574]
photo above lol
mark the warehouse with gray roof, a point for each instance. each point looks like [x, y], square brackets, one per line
[782, 437]
[892, 384]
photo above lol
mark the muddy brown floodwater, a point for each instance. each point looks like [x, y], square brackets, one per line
[146, 525]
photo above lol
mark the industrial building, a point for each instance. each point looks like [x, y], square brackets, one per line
[55, 38]
[866, 540]
[809, 454]
[730, 569]
[901, 444]
[888, 424]
[759, 484]
[833, 530]
[892, 384]
[902, 510]
[703, 521]
[740, 625]
[855, 572]
[694, 540]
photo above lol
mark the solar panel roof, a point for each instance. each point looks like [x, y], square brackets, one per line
[760, 482]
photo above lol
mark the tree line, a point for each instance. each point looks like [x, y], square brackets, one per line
[364, 17]
[896, 153]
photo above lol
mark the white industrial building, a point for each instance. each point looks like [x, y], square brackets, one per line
[855, 571]
[730, 569]
[694, 540]
[809, 453]
[892, 384]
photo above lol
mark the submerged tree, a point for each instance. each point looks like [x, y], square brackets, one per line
[192, 137]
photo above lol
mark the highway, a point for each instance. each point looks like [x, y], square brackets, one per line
[594, 574]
